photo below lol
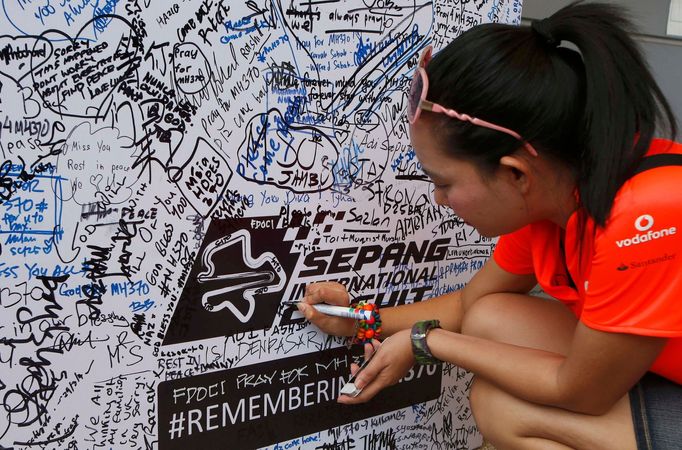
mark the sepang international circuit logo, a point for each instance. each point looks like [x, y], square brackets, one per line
[644, 224]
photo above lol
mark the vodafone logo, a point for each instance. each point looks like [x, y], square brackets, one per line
[644, 223]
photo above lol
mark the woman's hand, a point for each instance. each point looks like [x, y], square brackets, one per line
[391, 362]
[331, 293]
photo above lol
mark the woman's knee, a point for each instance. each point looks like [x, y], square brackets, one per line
[503, 420]
[488, 413]
[484, 317]
[521, 320]
[477, 400]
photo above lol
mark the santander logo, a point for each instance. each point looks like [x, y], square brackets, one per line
[644, 223]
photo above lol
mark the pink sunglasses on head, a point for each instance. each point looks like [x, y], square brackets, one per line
[417, 102]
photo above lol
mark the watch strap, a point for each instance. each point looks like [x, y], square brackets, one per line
[420, 349]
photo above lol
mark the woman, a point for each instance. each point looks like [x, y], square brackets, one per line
[552, 165]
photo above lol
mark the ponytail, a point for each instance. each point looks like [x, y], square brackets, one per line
[623, 103]
[595, 109]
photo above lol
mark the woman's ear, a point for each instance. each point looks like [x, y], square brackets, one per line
[516, 170]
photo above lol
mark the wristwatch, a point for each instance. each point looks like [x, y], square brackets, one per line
[421, 351]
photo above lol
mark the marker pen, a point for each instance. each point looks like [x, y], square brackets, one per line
[338, 311]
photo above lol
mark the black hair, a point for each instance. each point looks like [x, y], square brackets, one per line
[594, 109]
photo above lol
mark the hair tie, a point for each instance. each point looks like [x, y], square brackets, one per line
[541, 28]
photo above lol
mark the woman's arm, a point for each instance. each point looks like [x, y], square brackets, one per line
[598, 370]
[448, 308]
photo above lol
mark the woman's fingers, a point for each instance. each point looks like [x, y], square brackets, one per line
[369, 350]
[306, 310]
[366, 395]
[367, 381]
[331, 293]
[326, 292]
[337, 326]
[386, 368]
[314, 316]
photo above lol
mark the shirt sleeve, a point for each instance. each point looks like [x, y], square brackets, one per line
[513, 252]
[635, 285]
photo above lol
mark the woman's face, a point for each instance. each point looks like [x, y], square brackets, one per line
[493, 205]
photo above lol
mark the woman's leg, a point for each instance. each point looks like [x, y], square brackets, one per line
[511, 423]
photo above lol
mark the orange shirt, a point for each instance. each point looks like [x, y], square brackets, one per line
[627, 276]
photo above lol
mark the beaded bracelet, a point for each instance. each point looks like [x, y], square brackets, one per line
[370, 328]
